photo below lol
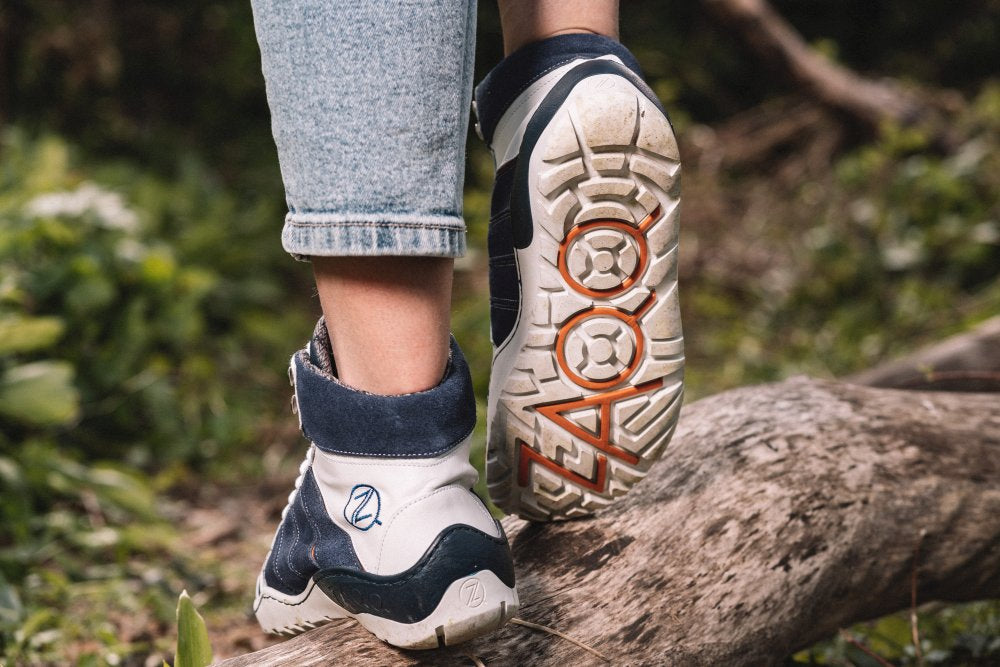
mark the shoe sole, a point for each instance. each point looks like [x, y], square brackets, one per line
[586, 392]
[471, 606]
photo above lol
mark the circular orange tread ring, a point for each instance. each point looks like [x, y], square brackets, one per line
[630, 320]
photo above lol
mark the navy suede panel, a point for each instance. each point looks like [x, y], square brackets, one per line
[306, 524]
[516, 72]
[411, 595]
[505, 289]
[503, 182]
[342, 420]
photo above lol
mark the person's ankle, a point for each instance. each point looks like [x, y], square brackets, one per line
[387, 319]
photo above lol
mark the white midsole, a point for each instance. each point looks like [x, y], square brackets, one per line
[470, 606]
[279, 613]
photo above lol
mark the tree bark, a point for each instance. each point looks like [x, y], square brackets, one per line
[774, 39]
[781, 513]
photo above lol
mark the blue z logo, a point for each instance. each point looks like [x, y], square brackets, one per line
[363, 507]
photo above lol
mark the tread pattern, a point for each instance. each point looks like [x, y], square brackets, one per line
[596, 388]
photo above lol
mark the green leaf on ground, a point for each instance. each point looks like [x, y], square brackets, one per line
[25, 334]
[193, 647]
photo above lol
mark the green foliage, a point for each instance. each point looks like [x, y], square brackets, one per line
[72, 531]
[144, 325]
[11, 610]
[193, 647]
[132, 290]
[906, 239]
[897, 245]
[967, 634]
[25, 334]
[39, 393]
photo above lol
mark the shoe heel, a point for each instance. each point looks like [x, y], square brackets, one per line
[462, 587]
[470, 608]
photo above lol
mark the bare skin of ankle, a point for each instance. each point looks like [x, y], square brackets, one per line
[527, 21]
[388, 319]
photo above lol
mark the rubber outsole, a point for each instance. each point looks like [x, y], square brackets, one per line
[471, 606]
[587, 390]
[281, 614]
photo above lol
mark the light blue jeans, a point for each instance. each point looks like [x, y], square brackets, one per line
[369, 108]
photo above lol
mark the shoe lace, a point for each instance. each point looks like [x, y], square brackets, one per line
[303, 469]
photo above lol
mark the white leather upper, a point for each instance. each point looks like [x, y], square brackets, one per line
[417, 499]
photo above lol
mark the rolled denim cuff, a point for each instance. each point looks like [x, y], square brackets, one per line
[373, 235]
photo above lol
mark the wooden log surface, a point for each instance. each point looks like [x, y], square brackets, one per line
[781, 513]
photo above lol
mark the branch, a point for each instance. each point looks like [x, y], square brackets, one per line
[966, 362]
[782, 513]
[774, 39]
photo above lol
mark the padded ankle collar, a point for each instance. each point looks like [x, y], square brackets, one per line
[519, 70]
[342, 420]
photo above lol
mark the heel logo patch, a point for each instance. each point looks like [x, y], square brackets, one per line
[472, 592]
[363, 507]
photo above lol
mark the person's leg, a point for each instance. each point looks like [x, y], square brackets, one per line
[388, 319]
[369, 295]
[369, 102]
[527, 21]
[587, 371]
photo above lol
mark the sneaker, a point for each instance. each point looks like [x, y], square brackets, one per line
[383, 525]
[588, 354]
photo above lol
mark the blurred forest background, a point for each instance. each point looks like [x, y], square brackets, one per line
[147, 310]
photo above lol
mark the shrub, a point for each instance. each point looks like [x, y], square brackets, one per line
[144, 327]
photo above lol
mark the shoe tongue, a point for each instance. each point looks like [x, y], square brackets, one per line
[320, 350]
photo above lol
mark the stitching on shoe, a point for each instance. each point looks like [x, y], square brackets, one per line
[277, 556]
[436, 453]
[306, 594]
[523, 88]
[295, 544]
[314, 524]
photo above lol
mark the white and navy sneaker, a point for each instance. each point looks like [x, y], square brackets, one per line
[382, 525]
[588, 358]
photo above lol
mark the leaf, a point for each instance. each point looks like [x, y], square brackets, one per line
[193, 647]
[24, 334]
[40, 393]
[123, 488]
[11, 610]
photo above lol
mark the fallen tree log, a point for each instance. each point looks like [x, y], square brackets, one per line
[966, 362]
[782, 513]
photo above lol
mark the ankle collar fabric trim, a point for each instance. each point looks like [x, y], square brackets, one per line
[516, 72]
[341, 420]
